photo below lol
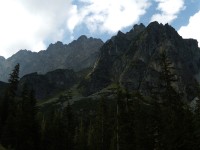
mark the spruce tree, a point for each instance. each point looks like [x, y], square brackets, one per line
[80, 138]
[9, 103]
[26, 122]
[176, 127]
[92, 142]
[8, 113]
[13, 81]
[102, 126]
[125, 121]
[68, 126]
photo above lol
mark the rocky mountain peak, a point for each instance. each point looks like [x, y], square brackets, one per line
[138, 28]
[162, 31]
[82, 38]
[21, 53]
[2, 58]
[77, 55]
[57, 45]
[134, 57]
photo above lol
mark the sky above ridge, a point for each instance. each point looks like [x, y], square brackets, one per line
[34, 24]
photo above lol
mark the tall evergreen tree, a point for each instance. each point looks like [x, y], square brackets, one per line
[80, 138]
[26, 122]
[68, 126]
[53, 136]
[174, 111]
[13, 81]
[142, 125]
[8, 113]
[102, 126]
[8, 103]
[92, 142]
[124, 121]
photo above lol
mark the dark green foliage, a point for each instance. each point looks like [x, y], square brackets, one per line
[142, 122]
[9, 109]
[18, 117]
[125, 124]
[8, 137]
[91, 143]
[175, 124]
[68, 127]
[53, 136]
[102, 126]
[129, 121]
[26, 124]
[58, 129]
[80, 138]
[13, 81]
[8, 103]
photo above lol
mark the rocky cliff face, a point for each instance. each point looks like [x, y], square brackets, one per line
[132, 59]
[50, 83]
[77, 55]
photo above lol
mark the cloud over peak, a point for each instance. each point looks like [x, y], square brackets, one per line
[33, 24]
[28, 24]
[192, 30]
[107, 15]
[169, 10]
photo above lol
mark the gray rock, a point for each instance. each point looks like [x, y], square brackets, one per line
[132, 59]
[77, 55]
[49, 84]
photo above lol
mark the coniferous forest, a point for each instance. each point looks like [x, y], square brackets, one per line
[126, 121]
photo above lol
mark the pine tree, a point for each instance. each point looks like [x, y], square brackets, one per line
[102, 126]
[68, 126]
[8, 113]
[8, 103]
[91, 143]
[157, 125]
[13, 81]
[123, 136]
[125, 121]
[142, 123]
[26, 125]
[53, 135]
[80, 138]
[176, 127]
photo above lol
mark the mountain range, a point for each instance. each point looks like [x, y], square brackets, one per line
[77, 55]
[130, 59]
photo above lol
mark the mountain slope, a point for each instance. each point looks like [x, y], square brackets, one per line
[132, 59]
[50, 83]
[77, 55]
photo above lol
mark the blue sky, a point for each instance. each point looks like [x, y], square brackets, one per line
[34, 24]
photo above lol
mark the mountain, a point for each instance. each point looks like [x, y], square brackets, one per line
[50, 83]
[77, 55]
[133, 60]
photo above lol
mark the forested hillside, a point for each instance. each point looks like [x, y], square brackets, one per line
[126, 120]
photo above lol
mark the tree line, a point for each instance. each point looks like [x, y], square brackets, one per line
[160, 121]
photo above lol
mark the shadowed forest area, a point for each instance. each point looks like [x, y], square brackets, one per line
[128, 120]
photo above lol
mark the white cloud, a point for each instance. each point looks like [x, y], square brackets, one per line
[107, 15]
[28, 24]
[169, 10]
[191, 30]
